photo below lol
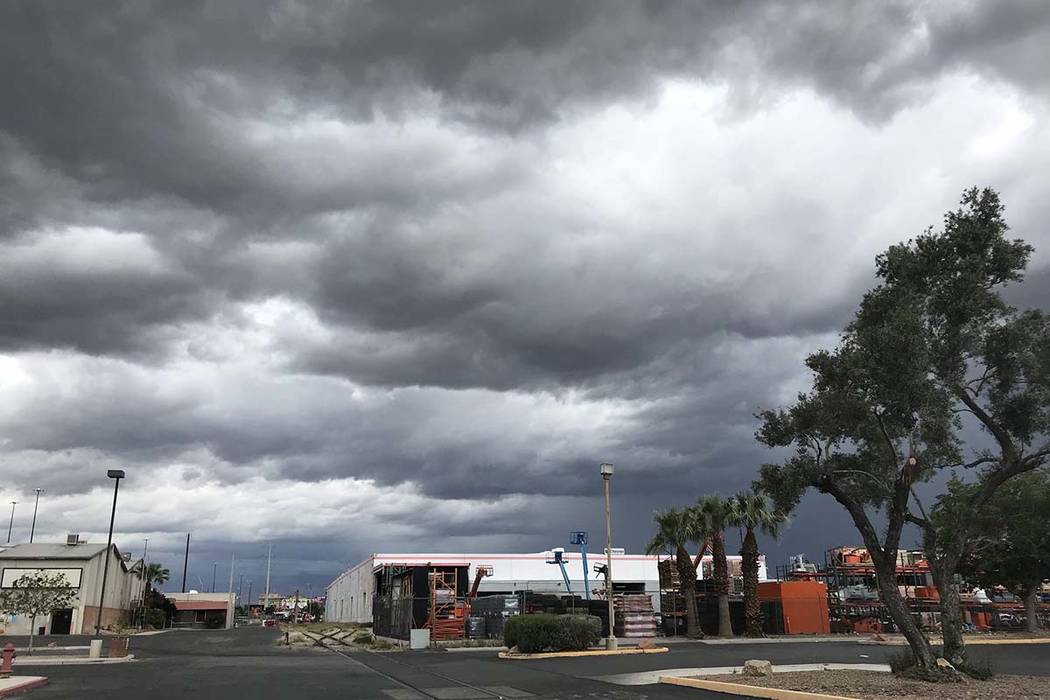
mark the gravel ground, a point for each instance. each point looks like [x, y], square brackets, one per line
[873, 684]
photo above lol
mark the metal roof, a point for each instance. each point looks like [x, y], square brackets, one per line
[42, 550]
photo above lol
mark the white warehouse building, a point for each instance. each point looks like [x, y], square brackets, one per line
[350, 596]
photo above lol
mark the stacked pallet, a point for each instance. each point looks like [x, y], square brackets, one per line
[668, 574]
[634, 616]
[672, 603]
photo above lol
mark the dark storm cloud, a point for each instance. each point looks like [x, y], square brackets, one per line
[115, 104]
[144, 97]
[292, 246]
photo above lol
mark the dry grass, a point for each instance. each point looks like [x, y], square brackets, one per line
[875, 685]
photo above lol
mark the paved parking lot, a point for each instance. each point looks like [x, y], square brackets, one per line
[248, 664]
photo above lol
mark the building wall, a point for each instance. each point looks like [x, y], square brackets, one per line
[228, 598]
[349, 596]
[122, 587]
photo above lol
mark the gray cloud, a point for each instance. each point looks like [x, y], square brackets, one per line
[426, 264]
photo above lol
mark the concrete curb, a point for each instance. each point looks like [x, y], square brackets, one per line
[968, 642]
[593, 652]
[650, 677]
[22, 684]
[66, 661]
[800, 639]
[751, 691]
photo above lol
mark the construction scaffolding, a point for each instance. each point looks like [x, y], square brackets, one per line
[448, 611]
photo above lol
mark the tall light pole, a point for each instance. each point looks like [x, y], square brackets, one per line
[186, 563]
[11, 524]
[116, 475]
[36, 504]
[145, 579]
[610, 641]
[269, 556]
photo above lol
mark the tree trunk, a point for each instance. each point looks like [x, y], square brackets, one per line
[886, 580]
[749, 564]
[687, 584]
[954, 647]
[721, 571]
[1031, 591]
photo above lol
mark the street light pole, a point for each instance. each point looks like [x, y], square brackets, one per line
[610, 641]
[116, 475]
[11, 524]
[145, 581]
[36, 504]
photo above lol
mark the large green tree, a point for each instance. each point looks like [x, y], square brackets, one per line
[713, 517]
[675, 531]
[751, 511]
[932, 350]
[1013, 549]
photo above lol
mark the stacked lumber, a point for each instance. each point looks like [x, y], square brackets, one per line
[634, 616]
[668, 574]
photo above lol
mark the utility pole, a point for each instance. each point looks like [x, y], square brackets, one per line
[269, 556]
[214, 570]
[250, 583]
[229, 591]
[11, 524]
[185, 562]
[36, 504]
[240, 585]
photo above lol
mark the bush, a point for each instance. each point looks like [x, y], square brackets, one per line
[577, 632]
[536, 633]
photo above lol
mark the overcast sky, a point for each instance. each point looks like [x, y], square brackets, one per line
[353, 277]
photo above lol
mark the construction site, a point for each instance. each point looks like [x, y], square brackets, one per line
[470, 596]
[853, 604]
[457, 596]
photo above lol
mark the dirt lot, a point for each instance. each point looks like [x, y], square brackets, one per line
[873, 684]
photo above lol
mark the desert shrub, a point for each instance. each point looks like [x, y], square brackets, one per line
[577, 632]
[363, 638]
[530, 633]
[536, 633]
[156, 618]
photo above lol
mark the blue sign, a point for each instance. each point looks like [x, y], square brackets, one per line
[578, 537]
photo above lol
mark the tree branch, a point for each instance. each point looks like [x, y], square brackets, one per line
[1001, 436]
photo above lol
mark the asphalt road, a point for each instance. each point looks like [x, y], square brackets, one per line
[248, 664]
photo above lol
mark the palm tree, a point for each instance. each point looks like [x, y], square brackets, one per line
[154, 574]
[715, 513]
[675, 529]
[751, 511]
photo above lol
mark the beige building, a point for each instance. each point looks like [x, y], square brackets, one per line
[203, 610]
[82, 565]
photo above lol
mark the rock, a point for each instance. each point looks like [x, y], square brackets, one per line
[758, 668]
[944, 663]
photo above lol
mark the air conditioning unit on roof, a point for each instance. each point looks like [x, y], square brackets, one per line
[72, 539]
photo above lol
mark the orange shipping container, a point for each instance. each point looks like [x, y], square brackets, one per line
[805, 605]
